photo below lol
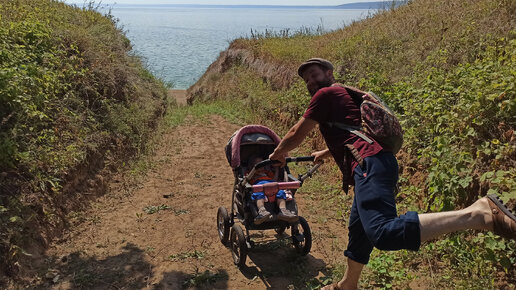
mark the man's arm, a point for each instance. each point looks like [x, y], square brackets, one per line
[292, 139]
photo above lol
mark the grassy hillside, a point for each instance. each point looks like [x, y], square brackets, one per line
[74, 103]
[448, 68]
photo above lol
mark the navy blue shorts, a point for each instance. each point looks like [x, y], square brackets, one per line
[373, 221]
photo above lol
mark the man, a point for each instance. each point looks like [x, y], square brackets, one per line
[373, 220]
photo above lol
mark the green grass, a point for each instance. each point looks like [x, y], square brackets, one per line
[202, 278]
[233, 111]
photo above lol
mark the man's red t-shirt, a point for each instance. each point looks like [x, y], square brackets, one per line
[334, 104]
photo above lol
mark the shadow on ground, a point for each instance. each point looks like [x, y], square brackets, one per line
[127, 270]
[274, 262]
[278, 265]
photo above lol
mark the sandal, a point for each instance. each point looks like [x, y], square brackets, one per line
[504, 220]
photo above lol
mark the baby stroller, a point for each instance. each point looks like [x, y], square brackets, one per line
[250, 141]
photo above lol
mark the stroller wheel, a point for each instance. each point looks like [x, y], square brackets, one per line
[238, 246]
[302, 237]
[280, 230]
[223, 225]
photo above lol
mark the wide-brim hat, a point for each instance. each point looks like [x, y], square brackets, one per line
[320, 61]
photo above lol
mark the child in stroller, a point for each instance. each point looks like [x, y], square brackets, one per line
[265, 175]
[257, 140]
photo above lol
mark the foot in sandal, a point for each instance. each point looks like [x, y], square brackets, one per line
[504, 221]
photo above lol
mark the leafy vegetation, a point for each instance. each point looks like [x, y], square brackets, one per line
[207, 277]
[73, 100]
[448, 69]
[151, 209]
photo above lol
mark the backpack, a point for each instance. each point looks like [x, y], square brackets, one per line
[378, 121]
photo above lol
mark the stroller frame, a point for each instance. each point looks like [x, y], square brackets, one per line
[244, 210]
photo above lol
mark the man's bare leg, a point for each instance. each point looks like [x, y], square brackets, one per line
[350, 279]
[475, 217]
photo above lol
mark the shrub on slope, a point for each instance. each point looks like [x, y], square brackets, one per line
[73, 99]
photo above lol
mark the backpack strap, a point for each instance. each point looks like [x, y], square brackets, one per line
[355, 94]
[351, 148]
[355, 154]
[352, 129]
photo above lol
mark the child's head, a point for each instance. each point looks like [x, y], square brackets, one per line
[253, 160]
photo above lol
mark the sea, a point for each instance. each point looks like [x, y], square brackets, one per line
[178, 43]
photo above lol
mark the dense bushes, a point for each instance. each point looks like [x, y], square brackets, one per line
[460, 125]
[446, 67]
[71, 97]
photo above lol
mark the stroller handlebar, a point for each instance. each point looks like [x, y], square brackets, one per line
[268, 162]
[300, 159]
[288, 160]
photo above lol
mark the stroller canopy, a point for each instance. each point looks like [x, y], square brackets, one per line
[250, 134]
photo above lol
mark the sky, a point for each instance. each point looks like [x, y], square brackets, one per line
[232, 2]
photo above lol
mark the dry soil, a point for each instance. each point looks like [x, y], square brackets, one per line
[161, 233]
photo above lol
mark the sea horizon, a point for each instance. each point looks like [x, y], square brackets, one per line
[177, 42]
[226, 6]
[356, 5]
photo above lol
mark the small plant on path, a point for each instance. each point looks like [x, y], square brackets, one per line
[154, 209]
[206, 277]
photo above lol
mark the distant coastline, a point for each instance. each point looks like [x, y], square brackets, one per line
[359, 5]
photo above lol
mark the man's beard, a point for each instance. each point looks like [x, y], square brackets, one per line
[322, 84]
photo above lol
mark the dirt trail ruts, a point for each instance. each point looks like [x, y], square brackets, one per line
[121, 244]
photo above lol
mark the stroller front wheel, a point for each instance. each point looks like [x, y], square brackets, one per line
[238, 245]
[223, 225]
[302, 237]
[280, 230]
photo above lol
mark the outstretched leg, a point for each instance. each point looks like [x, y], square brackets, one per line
[475, 217]
[374, 207]
[487, 213]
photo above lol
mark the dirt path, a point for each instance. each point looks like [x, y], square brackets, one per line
[179, 95]
[122, 244]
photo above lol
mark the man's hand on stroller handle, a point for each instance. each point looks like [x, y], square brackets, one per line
[319, 156]
[299, 159]
[279, 158]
